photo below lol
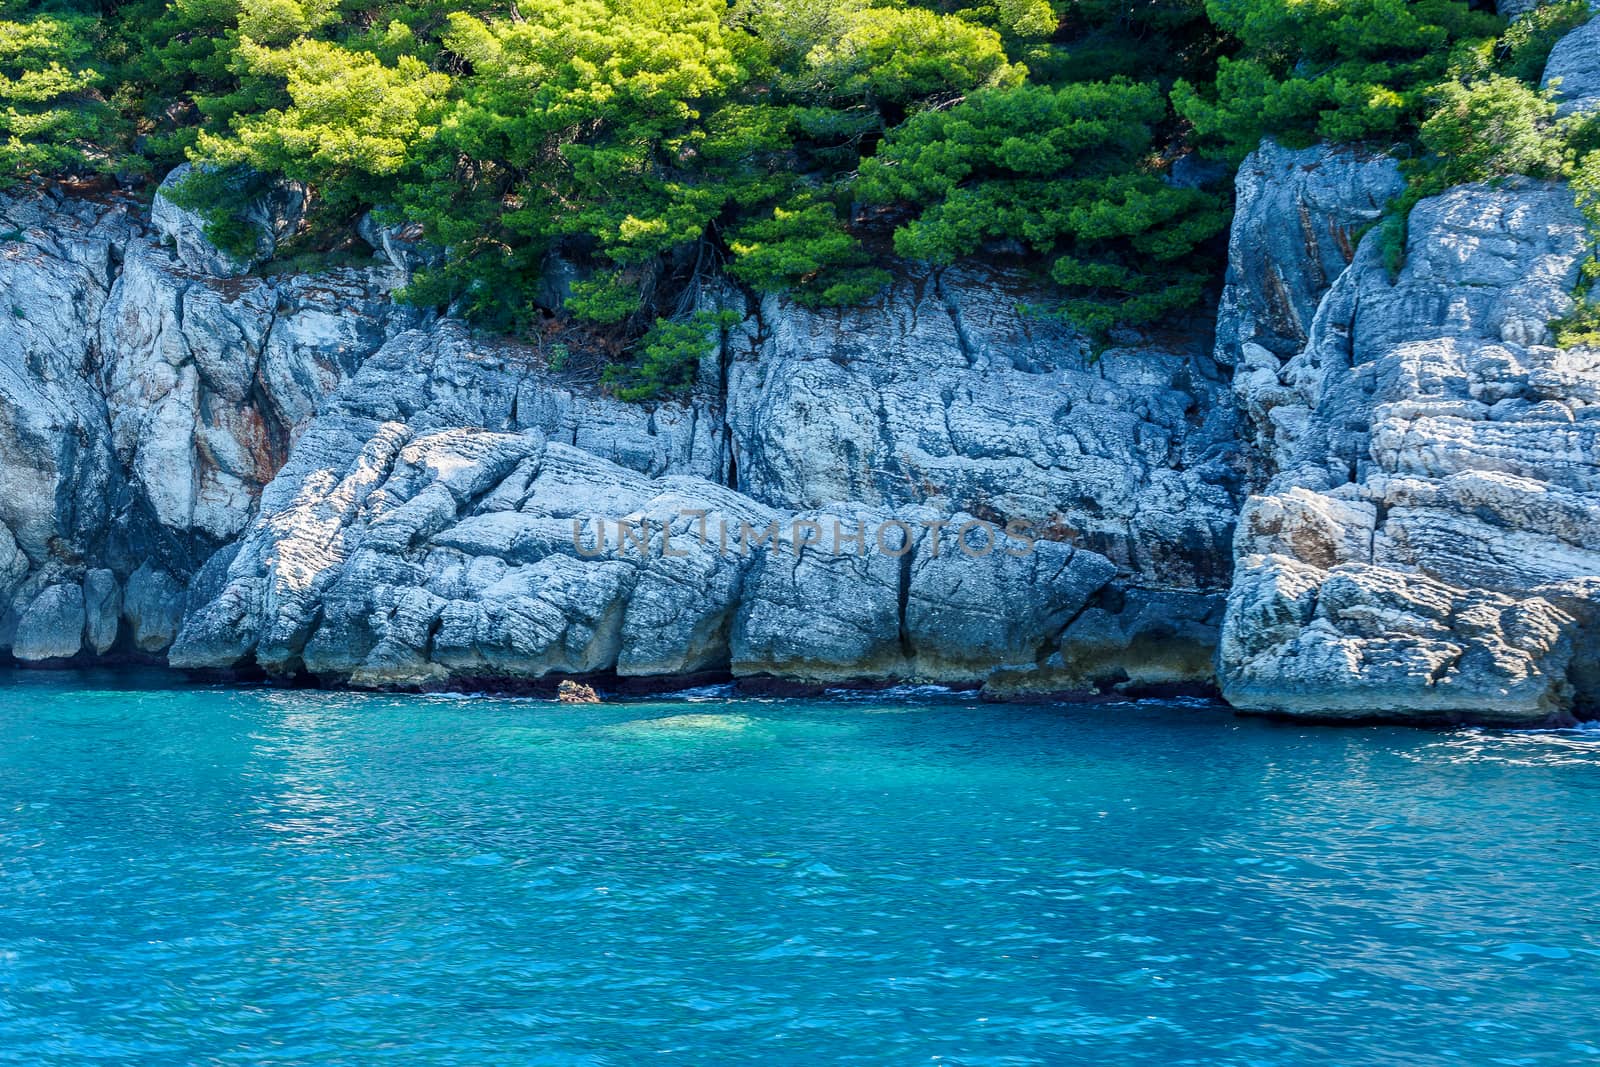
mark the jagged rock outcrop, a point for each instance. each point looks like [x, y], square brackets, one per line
[272, 215]
[1299, 217]
[208, 382]
[59, 479]
[436, 524]
[943, 393]
[143, 406]
[1424, 544]
[1436, 464]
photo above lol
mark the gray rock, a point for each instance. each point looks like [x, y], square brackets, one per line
[1435, 469]
[102, 606]
[52, 627]
[13, 564]
[556, 281]
[471, 554]
[58, 473]
[816, 614]
[402, 244]
[987, 601]
[274, 215]
[1363, 642]
[944, 393]
[143, 406]
[1300, 214]
[1298, 219]
[1143, 639]
[153, 606]
[208, 383]
[1574, 69]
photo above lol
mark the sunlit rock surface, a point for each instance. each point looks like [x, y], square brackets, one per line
[1436, 462]
[426, 531]
[1360, 495]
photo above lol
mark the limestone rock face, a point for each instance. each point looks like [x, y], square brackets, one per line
[945, 393]
[208, 384]
[429, 530]
[1435, 465]
[1574, 69]
[401, 244]
[52, 627]
[143, 403]
[59, 479]
[1298, 219]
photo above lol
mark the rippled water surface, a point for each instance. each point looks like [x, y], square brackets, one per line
[215, 876]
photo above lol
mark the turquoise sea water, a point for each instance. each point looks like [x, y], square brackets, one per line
[249, 876]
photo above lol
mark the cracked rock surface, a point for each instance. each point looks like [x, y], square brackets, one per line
[1353, 495]
[430, 527]
[1430, 519]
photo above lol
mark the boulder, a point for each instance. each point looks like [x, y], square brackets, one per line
[152, 605]
[1574, 69]
[102, 606]
[570, 692]
[52, 627]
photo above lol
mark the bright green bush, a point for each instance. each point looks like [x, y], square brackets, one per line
[668, 356]
[1491, 129]
[1339, 70]
[52, 117]
[803, 249]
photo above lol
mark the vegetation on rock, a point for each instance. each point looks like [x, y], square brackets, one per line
[644, 146]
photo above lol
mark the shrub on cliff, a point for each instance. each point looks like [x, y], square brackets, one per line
[1337, 70]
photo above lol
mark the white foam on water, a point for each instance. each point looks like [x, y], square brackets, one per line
[897, 692]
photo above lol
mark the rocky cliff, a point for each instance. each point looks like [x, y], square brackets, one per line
[1426, 541]
[1351, 495]
[304, 477]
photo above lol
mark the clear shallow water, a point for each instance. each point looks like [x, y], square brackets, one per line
[213, 876]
